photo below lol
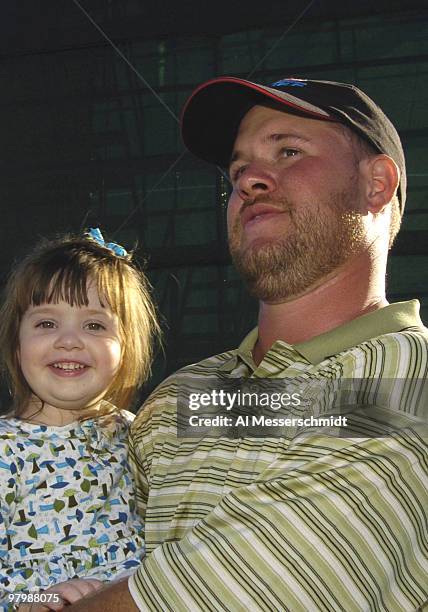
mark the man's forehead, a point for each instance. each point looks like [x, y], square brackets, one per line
[260, 114]
[269, 123]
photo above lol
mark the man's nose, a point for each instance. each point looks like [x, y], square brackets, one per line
[68, 339]
[254, 180]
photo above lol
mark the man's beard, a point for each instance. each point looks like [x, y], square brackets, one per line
[318, 240]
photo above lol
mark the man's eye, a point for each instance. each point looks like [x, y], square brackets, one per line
[46, 324]
[235, 173]
[94, 326]
[289, 152]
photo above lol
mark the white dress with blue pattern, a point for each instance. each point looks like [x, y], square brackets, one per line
[67, 506]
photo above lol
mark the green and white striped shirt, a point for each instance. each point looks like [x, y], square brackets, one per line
[311, 523]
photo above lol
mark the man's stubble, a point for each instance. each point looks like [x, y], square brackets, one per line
[319, 239]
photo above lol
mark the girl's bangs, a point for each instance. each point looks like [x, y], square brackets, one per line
[53, 286]
[71, 285]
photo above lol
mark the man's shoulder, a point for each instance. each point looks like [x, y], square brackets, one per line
[416, 335]
[394, 355]
[210, 366]
[418, 331]
[165, 393]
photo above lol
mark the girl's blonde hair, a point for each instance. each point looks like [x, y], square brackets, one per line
[62, 269]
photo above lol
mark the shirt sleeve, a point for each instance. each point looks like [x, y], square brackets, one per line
[138, 470]
[341, 527]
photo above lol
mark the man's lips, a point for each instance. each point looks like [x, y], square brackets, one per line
[259, 212]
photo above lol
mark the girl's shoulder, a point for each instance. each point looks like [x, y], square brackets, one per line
[17, 435]
[126, 416]
[9, 426]
[11, 448]
[119, 421]
[12, 428]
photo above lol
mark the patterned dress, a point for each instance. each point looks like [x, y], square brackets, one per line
[67, 504]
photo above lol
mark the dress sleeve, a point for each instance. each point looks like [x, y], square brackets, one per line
[336, 524]
[9, 492]
[12, 574]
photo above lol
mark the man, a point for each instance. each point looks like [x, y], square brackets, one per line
[310, 521]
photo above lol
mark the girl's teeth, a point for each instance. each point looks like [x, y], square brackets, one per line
[68, 366]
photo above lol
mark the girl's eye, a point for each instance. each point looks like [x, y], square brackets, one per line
[94, 326]
[46, 325]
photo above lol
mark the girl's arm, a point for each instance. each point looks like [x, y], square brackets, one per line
[68, 593]
[8, 495]
[115, 597]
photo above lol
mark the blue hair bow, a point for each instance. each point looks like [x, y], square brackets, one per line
[95, 234]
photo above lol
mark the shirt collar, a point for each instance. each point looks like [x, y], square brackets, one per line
[392, 318]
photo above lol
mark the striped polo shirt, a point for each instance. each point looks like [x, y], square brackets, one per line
[309, 523]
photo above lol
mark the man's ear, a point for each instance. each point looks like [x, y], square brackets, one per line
[383, 177]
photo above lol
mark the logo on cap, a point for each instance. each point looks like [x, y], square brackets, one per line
[291, 82]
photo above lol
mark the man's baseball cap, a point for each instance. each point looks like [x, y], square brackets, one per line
[212, 114]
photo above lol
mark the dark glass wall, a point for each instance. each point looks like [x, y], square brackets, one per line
[85, 141]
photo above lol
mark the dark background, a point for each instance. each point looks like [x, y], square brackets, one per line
[85, 141]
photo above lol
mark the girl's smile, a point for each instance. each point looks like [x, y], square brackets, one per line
[69, 356]
[68, 368]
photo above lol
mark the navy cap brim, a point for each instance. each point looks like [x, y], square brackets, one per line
[211, 116]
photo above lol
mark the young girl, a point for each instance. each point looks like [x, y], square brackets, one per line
[76, 335]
